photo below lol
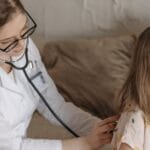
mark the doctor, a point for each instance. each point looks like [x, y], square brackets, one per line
[18, 100]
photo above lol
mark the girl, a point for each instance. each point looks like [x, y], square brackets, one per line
[18, 100]
[134, 125]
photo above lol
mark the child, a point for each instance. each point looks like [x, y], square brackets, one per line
[133, 129]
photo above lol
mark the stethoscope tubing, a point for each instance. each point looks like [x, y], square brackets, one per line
[23, 68]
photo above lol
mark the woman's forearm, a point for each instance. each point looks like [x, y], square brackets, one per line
[76, 144]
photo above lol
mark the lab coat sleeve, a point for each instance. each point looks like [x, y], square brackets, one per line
[78, 120]
[10, 141]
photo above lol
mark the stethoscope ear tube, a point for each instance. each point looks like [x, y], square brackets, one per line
[48, 106]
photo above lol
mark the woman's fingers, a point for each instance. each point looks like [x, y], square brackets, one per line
[108, 120]
[107, 141]
[106, 128]
[102, 134]
[106, 136]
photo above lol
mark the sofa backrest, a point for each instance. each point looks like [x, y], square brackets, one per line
[90, 72]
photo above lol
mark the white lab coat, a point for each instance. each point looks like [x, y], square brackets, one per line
[18, 101]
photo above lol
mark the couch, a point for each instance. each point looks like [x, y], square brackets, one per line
[88, 73]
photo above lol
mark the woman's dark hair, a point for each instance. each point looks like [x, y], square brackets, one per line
[8, 8]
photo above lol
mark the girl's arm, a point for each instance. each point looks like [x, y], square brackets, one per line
[130, 131]
[125, 147]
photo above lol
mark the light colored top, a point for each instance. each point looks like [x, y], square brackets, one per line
[18, 101]
[133, 130]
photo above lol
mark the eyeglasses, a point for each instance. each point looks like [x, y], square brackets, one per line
[24, 36]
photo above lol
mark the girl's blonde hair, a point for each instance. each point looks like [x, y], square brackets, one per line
[136, 89]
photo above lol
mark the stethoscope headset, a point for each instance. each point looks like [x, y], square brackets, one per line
[23, 68]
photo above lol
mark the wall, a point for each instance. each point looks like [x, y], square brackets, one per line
[65, 19]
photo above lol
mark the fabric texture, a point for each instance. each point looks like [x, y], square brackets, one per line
[89, 72]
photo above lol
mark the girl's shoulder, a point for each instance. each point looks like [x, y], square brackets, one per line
[132, 112]
[129, 127]
[133, 119]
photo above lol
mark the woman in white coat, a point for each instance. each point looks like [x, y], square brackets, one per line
[18, 100]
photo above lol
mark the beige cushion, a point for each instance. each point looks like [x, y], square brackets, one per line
[89, 72]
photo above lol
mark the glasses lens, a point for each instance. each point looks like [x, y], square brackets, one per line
[28, 33]
[12, 46]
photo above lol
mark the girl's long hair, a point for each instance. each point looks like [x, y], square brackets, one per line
[136, 89]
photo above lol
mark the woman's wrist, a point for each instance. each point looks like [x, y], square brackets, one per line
[76, 144]
[85, 143]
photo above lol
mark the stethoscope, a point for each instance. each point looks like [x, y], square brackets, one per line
[23, 68]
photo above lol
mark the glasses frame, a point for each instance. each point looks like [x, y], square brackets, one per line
[17, 40]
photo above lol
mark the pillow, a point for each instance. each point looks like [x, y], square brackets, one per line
[89, 72]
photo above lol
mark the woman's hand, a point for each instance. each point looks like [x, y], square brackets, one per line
[102, 133]
[99, 136]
